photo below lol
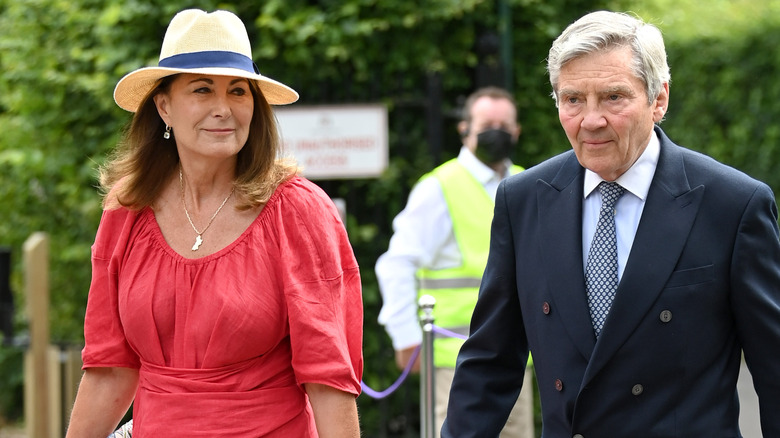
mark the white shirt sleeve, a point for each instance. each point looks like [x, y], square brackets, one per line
[422, 237]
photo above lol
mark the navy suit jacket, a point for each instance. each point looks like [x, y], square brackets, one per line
[700, 287]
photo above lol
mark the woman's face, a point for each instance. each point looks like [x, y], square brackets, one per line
[209, 115]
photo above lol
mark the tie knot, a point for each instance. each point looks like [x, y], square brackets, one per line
[610, 192]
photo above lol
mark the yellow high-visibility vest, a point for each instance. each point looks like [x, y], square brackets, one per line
[456, 289]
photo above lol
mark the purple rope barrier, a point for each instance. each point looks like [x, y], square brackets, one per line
[447, 333]
[391, 389]
[407, 369]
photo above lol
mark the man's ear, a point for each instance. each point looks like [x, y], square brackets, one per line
[661, 104]
[463, 128]
[518, 131]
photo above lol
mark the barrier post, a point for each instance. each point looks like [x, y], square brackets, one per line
[427, 388]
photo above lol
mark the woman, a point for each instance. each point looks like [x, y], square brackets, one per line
[225, 298]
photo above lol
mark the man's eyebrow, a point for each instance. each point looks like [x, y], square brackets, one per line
[609, 90]
[568, 91]
[618, 89]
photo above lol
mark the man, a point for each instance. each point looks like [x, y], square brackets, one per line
[696, 277]
[441, 241]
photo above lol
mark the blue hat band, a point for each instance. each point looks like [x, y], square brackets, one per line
[214, 58]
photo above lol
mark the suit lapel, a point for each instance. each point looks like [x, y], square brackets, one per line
[666, 221]
[560, 217]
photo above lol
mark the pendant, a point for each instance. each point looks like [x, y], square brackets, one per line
[198, 242]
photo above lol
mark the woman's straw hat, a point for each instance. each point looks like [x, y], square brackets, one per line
[204, 43]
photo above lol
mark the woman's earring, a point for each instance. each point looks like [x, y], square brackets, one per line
[167, 133]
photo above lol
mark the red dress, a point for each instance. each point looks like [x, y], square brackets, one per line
[224, 343]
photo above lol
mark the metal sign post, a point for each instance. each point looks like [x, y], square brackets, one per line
[427, 392]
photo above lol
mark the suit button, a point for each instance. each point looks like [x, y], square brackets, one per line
[578, 436]
[665, 316]
[546, 308]
[558, 385]
[637, 389]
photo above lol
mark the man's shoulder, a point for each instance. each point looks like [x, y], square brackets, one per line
[449, 166]
[703, 169]
[698, 167]
[450, 172]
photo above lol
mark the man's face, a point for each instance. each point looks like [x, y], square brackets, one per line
[603, 108]
[490, 113]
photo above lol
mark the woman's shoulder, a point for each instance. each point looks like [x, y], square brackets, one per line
[300, 192]
[115, 226]
[298, 202]
[297, 182]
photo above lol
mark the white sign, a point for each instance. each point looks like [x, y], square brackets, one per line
[335, 141]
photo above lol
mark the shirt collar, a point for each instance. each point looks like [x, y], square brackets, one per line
[481, 171]
[637, 178]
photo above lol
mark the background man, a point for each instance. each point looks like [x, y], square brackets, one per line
[441, 241]
[695, 278]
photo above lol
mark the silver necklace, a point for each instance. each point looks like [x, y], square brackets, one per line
[199, 238]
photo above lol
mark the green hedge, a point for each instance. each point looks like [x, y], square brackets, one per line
[724, 100]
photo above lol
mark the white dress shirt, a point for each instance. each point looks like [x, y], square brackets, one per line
[422, 237]
[636, 180]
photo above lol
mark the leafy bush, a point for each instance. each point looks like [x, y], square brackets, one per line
[11, 388]
[724, 101]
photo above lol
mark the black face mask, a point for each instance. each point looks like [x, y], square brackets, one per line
[494, 145]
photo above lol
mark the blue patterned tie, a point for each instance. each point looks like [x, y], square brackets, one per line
[601, 272]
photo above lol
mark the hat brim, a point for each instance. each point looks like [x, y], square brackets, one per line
[133, 87]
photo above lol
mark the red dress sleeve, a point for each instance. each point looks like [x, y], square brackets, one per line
[104, 336]
[322, 289]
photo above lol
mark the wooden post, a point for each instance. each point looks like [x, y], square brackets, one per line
[37, 400]
[54, 392]
[71, 377]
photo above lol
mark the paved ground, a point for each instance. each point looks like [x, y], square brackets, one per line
[12, 432]
[748, 417]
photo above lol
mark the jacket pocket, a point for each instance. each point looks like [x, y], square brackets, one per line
[688, 277]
